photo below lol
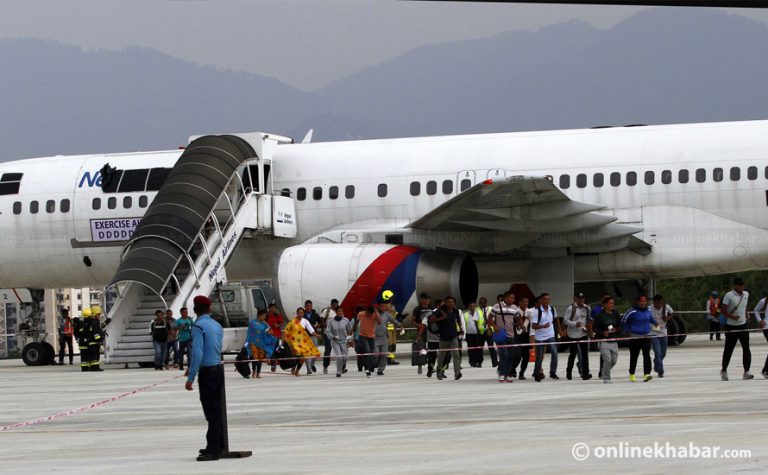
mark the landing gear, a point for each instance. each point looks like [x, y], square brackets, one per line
[37, 354]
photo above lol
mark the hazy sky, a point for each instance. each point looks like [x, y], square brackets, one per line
[304, 43]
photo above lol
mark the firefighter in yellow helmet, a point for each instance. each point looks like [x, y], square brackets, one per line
[387, 297]
[92, 339]
[84, 333]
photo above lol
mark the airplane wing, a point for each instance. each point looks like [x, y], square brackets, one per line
[535, 208]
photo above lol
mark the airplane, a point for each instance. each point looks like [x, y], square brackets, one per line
[464, 215]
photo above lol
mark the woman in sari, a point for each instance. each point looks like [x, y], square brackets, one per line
[297, 337]
[259, 342]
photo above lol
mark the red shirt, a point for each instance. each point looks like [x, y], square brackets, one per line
[275, 322]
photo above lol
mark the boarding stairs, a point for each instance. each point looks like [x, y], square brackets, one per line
[218, 193]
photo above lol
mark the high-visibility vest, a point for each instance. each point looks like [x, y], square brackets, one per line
[69, 330]
[480, 320]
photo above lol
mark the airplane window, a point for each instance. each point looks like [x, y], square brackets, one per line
[649, 177]
[447, 187]
[143, 201]
[701, 175]
[112, 203]
[735, 173]
[156, 178]
[565, 181]
[349, 192]
[133, 180]
[333, 192]
[17, 207]
[752, 173]
[598, 180]
[382, 190]
[34, 207]
[615, 179]
[96, 203]
[317, 193]
[10, 183]
[415, 188]
[717, 174]
[465, 184]
[631, 178]
[581, 180]
[301, 194]
[431, 187]
[127, 202]
[682, 176]
[666, 177]
[50, 206]
[64, 206]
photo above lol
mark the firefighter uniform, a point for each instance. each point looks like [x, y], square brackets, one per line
[90, 342]
[391, 344]
[82, 340]
[100, 331]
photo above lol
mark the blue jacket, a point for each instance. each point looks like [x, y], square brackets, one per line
[638, 321]
[207, 339]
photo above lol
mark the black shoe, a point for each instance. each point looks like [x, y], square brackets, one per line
[61, 363]
[513, 374]
[539, 377]
[380, 373]
[368, 374]
[206, 457]
[495, 364]
[660, 375]
[314, 369]
[553, 376]
[522, 377]
[394, 362]
[429, 372]
[273, 368]
[440, 376]
[457, 376]
[338, 375]
[568, 375]
[345, 370]
[586, 377]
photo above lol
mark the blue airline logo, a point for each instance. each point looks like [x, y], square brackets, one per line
[90, 180]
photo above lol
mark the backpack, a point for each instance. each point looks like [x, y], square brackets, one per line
[432, 327]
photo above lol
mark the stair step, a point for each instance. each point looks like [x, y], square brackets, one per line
[136, 339]
[135, 352]
[137, 332]
[142, 345]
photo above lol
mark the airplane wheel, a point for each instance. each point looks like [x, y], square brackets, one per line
[50, 352]
[34, 354]
[681, 330]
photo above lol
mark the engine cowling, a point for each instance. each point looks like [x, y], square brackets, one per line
[355, 274]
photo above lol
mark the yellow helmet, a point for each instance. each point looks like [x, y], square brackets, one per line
[86, 312]
[387, 295]
[96, 311]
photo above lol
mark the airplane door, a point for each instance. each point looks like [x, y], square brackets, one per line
[496, 173]
[465, 180]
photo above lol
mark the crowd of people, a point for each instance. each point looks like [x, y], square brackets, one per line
[514, 332]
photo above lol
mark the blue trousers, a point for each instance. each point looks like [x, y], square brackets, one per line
[659, 345]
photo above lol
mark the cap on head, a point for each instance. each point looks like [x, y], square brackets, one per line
[580, 295]
[201, 301]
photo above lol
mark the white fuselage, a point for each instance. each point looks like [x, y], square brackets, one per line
[700, 225]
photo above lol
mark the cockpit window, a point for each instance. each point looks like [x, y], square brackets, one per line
[10, 183]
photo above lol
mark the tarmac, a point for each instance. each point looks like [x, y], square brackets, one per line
[399, 423]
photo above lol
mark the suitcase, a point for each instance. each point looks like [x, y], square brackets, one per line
[241, 364]
[284, 357]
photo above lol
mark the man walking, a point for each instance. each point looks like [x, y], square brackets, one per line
[339, 330]
[66, 332]
[734, 308]
[662, 313]
[328, 314]
[545, 323]
[474, 326]
[159, 331]
[713, 315]
[760, 314]
[205, 361]
[448, 320]
[577, 320]
[184, 327]
[367, 320]
[505, 315]
[173, 338]
[488, 336]
[386, 318]
[637, 322]
[605, 325]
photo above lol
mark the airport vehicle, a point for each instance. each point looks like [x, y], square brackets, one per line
[461, 215]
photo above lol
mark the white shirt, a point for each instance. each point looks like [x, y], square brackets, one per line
[575, 314]
[307, 326]
[504, 316]
[469, 326]
[660, 322]
[547, 316]
[736, 304]
[760, 309]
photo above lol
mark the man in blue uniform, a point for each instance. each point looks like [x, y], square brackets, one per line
[205, 361]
